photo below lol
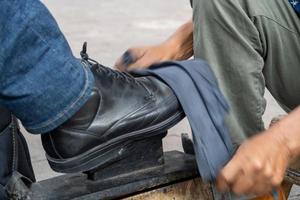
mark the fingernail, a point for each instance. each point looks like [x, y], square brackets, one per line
[127, 58]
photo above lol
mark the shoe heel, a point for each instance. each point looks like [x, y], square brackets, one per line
[139, 155]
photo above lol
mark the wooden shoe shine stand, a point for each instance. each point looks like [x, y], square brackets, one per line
[148, 173]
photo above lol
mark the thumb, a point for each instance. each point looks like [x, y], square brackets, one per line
[222, 184]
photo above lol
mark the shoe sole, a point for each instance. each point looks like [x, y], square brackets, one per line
[113, 150]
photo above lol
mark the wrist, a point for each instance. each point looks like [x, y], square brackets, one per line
[180, 44]
[288, 132]
[179, 49]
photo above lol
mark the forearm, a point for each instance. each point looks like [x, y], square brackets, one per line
[289, 130]
[181, 42]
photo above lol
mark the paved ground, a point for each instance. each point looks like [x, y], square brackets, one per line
[110, 27]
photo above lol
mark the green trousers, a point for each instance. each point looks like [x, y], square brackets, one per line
[250, 45]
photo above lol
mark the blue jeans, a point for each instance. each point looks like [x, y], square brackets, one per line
[41, 82]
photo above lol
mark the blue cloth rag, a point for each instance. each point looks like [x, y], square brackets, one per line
[205, 107]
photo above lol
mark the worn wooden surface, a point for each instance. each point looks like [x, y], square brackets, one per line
[188, 190]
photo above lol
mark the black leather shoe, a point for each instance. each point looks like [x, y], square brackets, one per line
[121, 111]
[16, 171]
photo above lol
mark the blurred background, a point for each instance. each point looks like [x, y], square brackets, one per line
[110, 28]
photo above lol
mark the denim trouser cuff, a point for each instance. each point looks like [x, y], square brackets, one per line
[70, 109]
[42, 83]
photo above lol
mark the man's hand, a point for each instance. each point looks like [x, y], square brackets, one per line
[259, 164]
[143, 57]
[178, 47]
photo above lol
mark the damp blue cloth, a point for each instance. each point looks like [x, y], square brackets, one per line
[205, 107]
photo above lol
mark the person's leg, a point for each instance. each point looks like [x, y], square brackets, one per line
[280, 32]
[42, 83]
[88, 113]
[250, 44]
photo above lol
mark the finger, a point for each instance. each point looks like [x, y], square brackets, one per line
[129, 57]
[268, 171]
[261, 190]
[263, 175]
[243, 185]
[246, 182]
[256, 180]
[125, 60]
[142, 63]
[263, 185]
[279, 172]
[277, 178]
[232, 170]
[222, 184]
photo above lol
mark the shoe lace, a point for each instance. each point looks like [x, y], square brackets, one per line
[110, 72]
